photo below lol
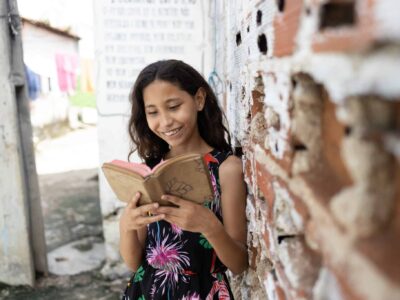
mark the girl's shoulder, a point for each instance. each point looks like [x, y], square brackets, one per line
[231, 180]
[231, 164]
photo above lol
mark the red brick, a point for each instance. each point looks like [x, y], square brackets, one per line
[286, 24]
[266, 239]
[264, 182]
[356, 38]
[329, 174]
[332, 133]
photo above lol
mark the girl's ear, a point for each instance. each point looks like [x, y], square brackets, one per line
[200, 98]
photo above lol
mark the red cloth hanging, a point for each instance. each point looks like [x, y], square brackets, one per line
[67, 69]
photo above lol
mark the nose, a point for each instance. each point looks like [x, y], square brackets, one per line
[165, 120]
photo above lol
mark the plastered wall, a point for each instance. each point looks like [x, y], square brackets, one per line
[311, 92]
[22, 243]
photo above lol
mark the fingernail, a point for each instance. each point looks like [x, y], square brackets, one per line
[164, 197]
[155, 205]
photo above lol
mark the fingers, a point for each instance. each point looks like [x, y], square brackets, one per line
[134, 201]
[168, 210]
[142, 215]
[155, 218]
[173, 199]
[133, 204]
[147, 209]
[173, 220]
[145, 215]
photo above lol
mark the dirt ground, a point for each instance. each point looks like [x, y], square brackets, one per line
[67, 167]
[88, 285]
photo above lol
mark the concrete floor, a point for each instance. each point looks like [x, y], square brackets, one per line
[67, 166]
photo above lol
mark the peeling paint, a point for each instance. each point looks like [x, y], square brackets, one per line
[357, 74]
[287, 220]
[388, 19]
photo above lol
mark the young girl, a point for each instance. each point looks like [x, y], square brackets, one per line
[182, 251]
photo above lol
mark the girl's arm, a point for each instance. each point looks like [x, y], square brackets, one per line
[131, 246]
[228, 239]
[133, 231]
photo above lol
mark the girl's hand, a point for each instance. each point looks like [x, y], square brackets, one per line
[134, 217]
[189, 216]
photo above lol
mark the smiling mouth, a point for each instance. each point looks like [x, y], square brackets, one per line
[172, 132]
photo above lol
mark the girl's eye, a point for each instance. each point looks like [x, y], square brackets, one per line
[151, 112]
[174, 107]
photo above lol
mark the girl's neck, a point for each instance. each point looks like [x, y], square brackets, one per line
[200, 147]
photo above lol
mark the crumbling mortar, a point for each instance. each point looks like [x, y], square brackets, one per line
[366, 206]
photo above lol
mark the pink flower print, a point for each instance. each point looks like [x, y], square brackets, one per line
[214, 184]
[215, 203]
[166, 256]
[193, 296]
[176, 229]
[166, 276]
[169, 262]
[153, 291]
[219, 287]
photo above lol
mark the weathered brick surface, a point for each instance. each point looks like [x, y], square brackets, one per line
[336, 32]
[312, 99]
[286, 24]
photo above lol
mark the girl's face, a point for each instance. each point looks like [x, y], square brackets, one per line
[171, 113]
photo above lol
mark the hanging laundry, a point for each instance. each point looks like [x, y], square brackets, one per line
[67, 69]
[34, 83]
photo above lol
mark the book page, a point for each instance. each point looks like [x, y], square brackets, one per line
[187, 178]
[139, 168]
[154, 189]
[125, 183]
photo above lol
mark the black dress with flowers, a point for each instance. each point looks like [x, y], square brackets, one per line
[179, 264]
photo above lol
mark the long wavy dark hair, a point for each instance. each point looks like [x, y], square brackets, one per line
[210, 120]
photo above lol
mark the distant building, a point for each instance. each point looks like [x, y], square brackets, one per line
[51, 57]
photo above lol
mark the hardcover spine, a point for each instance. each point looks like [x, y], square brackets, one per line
[153, 188]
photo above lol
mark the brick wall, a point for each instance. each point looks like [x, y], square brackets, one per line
[311, 90]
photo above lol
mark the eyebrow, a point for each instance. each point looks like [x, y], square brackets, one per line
[167, 101]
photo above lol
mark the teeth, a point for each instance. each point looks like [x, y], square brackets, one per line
[172, 132]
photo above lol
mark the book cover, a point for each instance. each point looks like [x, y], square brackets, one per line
[185, 176]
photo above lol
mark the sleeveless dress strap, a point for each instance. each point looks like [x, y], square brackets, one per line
[221, 156]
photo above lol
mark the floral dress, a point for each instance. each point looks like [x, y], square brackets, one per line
[179, 264]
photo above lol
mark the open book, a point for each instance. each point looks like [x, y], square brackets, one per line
[185, 176]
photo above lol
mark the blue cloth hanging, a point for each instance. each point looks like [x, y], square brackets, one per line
[34, 86]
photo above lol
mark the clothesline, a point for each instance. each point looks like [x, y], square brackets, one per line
[69, 69]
